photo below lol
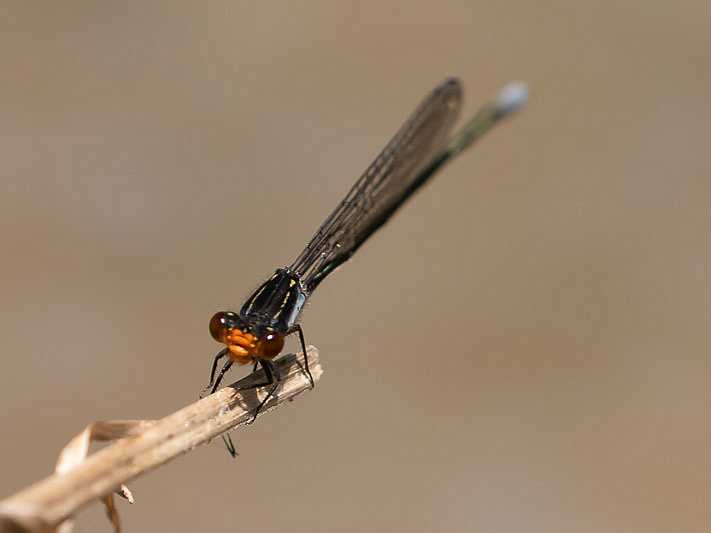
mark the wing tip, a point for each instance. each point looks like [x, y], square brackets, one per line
[451, 90]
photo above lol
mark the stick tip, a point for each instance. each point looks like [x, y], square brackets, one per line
[511, 97]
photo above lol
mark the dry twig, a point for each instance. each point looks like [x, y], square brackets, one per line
[46, 504]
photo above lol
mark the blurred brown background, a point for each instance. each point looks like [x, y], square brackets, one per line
[524, 348]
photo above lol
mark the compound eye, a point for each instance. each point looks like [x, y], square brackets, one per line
[270, 345]
[221, 323]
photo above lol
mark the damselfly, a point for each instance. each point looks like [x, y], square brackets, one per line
[420, 148]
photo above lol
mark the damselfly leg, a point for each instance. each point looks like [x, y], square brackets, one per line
[307, 371]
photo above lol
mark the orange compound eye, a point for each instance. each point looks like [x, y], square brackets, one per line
[221, 323]
[270, 345]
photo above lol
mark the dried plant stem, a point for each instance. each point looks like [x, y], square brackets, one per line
[47, 503]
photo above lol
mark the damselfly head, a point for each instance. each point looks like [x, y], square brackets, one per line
[229, 329]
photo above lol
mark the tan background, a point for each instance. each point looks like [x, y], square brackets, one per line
[524, 349]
